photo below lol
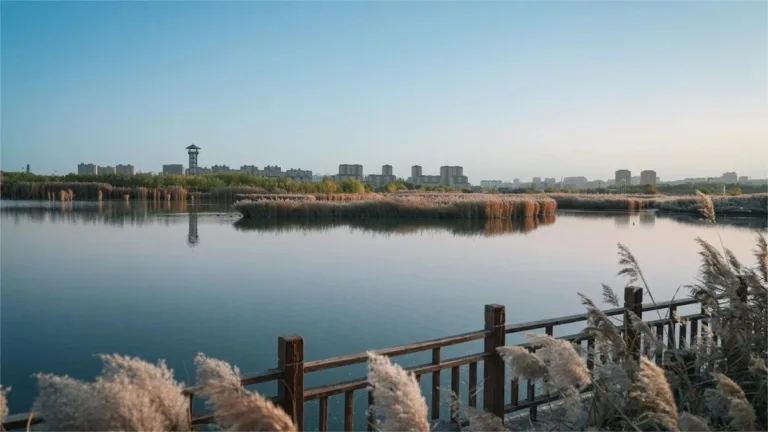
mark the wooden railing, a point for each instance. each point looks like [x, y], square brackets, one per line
[292, 394]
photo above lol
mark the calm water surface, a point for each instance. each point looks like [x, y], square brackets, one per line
[168, 282]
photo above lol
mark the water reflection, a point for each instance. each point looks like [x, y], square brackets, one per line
[139, 213]
[192, 237]
[399, 226]
[647, 219]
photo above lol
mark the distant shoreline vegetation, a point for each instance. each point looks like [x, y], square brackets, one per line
[233, 187]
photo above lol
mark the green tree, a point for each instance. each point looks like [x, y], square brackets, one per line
[650, 189]
[351, 186]
[735, 190]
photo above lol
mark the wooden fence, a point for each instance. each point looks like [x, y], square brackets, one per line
[292, 368]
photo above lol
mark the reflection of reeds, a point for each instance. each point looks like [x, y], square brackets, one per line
[468, 228]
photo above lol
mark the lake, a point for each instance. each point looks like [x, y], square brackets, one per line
[165, 281]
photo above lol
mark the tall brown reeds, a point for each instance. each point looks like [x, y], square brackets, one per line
[446, 206]
[754, 204]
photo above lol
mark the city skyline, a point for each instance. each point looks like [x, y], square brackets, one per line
[514, 89]
[447, 173]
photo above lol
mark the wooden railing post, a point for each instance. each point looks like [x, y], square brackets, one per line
[290, 390]
[633, 302]
[493, 370]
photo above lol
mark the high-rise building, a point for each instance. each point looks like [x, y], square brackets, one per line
[648, 177]
[215, 169]
[743, 179]
[126, 170]
[193, 151]
[346, 172]
[27, 168]
[173, 169]
[453, 176]
[298, 175]
[87, 169]
[386, 177]
[415, 174]
[491, 184]
[102, 170]
[250, 169]
[550, 182]
[623, 177]
[579, 182]
[730, 178]
[272, 171]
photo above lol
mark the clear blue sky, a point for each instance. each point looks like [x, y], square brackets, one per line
[506, 89]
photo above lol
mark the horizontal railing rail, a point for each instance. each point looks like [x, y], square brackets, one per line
[290, 374]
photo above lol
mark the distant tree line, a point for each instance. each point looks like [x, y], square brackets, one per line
[197, 183]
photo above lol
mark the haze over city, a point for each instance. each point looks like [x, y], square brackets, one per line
[516, 89]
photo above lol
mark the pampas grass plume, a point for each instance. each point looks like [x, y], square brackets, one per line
[523, 363]
[652, 394]
[130, 394]
[236, 408]
[482, 421]
[3, 403]
[691, 423]
[396, 395]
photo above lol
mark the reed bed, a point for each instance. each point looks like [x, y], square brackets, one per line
[755, 204]
[274, 197]
[449, 206]
[87, 191]
[604, 202]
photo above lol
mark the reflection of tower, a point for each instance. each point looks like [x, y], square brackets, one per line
[192, 238]
[193, 151]
[647, 218]
[622, 220]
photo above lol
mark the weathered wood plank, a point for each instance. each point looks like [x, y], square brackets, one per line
[334, 362]
[349, 411]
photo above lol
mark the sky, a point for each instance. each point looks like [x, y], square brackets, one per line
[504, 89]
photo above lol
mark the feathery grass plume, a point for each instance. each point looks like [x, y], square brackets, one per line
[758, 366]
[236, 408]
[706, 207]
[691, 423]
[156, 382]
[742, 415]
[130, 394]
[609, 296]
[70, 405]
[523, 363]
[482, 421]
[728, 399]
[396, 395]
[728, 388]
[652, 395]
[761, 254]
[566, 367]
[608, 339]
[651, 342]
[3, 404]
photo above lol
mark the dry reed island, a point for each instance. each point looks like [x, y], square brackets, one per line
[629, 379]
[331, 199]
